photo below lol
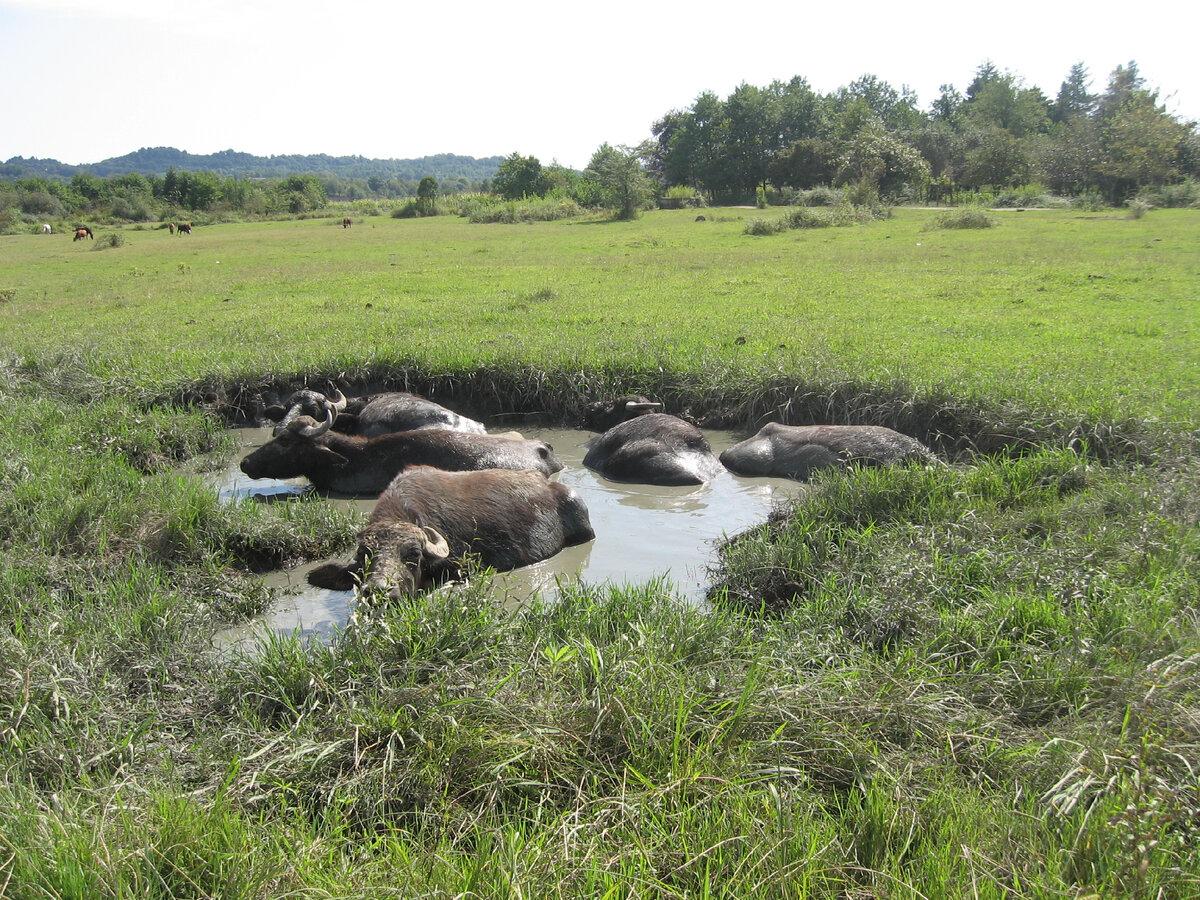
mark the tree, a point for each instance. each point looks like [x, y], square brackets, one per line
[880, 158]
[519, 177]
[996, 158]
[621, 178]
[996, 100]
[1139, 145]
[301, 193]
[427, 193]
[1073, 101]
[805, 164]
[753, 136]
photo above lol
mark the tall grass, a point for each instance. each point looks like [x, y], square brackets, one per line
[974, 680]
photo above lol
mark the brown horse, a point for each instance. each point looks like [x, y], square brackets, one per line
[83, 232]
[184, 227]
[346, 223]
[171, 227]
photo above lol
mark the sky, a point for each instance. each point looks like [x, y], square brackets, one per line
[86, 80]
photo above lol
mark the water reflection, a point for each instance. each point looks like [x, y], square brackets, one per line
[642, 532]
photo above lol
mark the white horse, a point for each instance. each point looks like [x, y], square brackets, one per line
[46, 229]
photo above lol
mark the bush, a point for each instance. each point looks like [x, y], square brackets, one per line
[962, 218]
[819, 196]
[759, 227]
[112, 239]
[1026, 195]
[491, 211]
[1172, 196]
[842, 215]
[1137, 208]
[1089, 201]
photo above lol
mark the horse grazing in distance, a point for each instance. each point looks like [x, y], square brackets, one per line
[46, 229]
[346, 223]
[83, 232]
[184, 227]
[171, 227]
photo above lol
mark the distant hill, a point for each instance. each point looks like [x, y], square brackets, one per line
[158, 160]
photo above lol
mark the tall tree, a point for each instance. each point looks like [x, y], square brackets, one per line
[620, 174]
[1073, 100]
[519, 177]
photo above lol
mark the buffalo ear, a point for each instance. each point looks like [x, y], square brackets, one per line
[331, 458]
[334, 576]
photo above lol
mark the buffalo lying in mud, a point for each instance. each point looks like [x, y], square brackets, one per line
[351, 464]
[646, 447]
[428, 520]
[604, 414]
[795, 451]
[372, 415]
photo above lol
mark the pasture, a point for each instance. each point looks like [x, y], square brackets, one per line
[978, 680]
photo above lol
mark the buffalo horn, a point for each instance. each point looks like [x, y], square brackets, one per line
[308, 427]
[337, 401]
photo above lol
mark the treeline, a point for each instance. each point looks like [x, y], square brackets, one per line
[133, 197]
[999, 134]
[160, 160]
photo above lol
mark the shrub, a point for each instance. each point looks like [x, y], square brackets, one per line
[843, 214]
[1026, 195]
[514, 211]
[759, 227]
[1089, 201]
[1137, 208]
[962, 218]
[822, 195]
[1172, 196]
[112, 239]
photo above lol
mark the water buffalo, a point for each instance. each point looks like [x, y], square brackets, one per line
[647, 447]
[352, 464]
[604, 414]
[373, 415]
[428, 520]
[795, 451]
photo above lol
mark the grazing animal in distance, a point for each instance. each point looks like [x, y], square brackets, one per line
[351, 464]
[796, 451]
[641, 446]
[183, 228]
[83, 232]
[346, 223]
[428, 520]
[171, 227]
[46, 228]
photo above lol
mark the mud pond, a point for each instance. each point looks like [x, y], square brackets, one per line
[643, 532]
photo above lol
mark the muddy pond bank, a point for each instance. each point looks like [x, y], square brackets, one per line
[643, 532]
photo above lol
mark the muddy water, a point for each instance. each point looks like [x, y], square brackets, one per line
[642, 532]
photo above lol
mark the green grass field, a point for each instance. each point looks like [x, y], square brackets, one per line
[1089, 316]
[971, 681]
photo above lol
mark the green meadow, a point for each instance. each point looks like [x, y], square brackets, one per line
[977, 680]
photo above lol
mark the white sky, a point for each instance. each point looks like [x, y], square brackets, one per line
[85, 80]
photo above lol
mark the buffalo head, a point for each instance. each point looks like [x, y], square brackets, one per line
[294, 451]
[306, 403]
[395, 558]
[604, 414]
